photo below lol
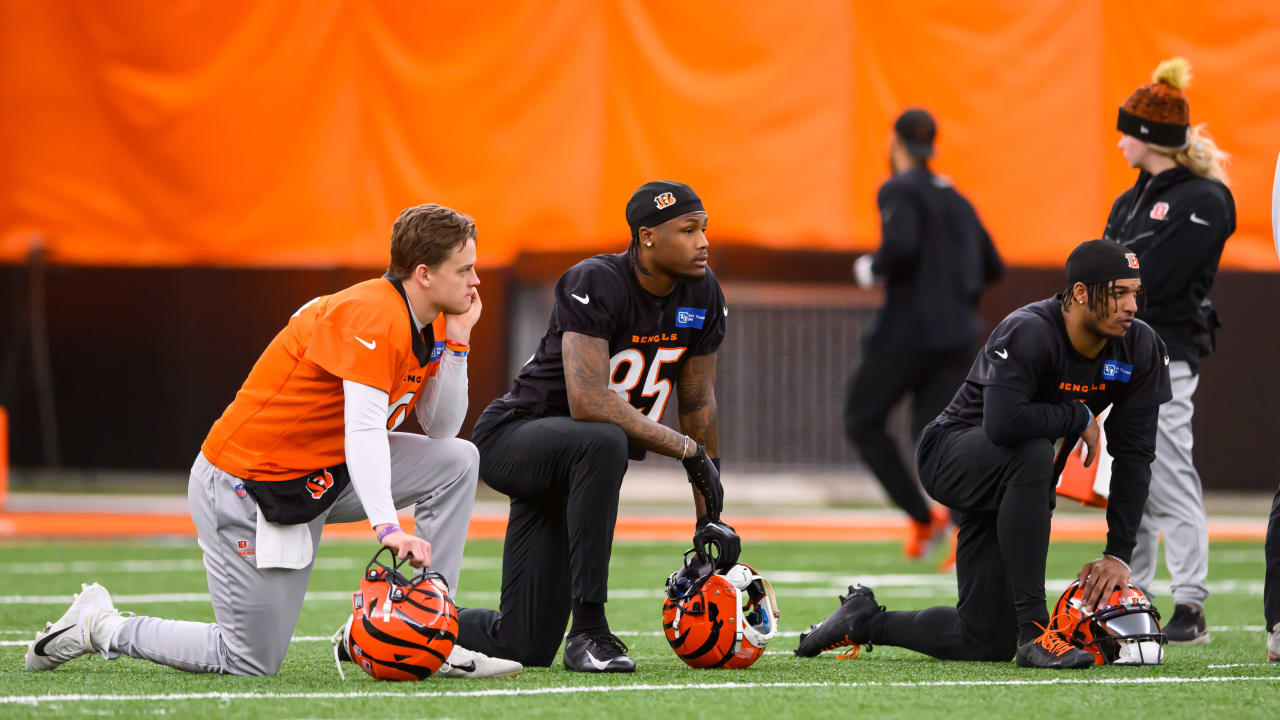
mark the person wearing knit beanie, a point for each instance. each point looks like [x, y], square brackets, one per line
[1176, 218]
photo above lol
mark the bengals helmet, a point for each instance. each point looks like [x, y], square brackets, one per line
[718, 619]
[400, 629]
[1123, 630]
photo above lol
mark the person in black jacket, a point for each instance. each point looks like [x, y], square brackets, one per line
[1176, 217]
[935, 259]
[1047, 371]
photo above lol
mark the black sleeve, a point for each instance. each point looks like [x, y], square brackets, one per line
[1009, 418]
[1113, 220]
[586, 301]
[899, 231]
[1131, 440]
[1149, 386]
[1193, 238]
[1015, 356]
[992, 265]
[713, 330]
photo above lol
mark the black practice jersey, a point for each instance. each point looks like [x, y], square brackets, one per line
[1030, 352]
[649, 337]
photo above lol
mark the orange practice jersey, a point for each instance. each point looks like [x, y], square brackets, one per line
[287, 419]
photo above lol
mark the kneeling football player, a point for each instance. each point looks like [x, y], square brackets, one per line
[1046, 372]
[307, 441]
[625, 329]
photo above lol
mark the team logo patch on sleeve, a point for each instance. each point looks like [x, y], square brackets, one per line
[1116, 370]
[690, 317]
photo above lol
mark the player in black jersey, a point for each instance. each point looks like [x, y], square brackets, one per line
[628, 331]
[1045, 373]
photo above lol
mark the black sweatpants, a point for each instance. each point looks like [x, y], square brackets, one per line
[883, 378]
[1002, 500]
[1271, 587]
[563, 477]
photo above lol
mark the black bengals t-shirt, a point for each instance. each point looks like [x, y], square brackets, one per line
[650, 337]
[1029, 357]
[1030, 352]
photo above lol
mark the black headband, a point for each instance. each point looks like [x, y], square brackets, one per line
[657, 202]
[1159, 133]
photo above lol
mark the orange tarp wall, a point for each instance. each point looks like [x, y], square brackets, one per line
[292, 133]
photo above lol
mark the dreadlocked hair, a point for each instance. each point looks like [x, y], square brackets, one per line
[1099, 294]
[633, 253]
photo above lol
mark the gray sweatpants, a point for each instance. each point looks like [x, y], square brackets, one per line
[256, 610]
[1175, 504]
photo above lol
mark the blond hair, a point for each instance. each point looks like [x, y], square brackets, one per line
[1201, 155]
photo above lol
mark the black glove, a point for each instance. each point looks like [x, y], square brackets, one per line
[705, 478]
[720, 536]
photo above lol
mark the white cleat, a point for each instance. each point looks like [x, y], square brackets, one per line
[1273, 644]
[464, 663]
[86, 626]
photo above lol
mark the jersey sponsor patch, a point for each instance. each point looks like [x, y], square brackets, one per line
[1116, 370]
[690, 317]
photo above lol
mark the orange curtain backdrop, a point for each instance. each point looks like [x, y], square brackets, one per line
[292, 133]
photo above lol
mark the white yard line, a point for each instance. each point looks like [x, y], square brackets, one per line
[188, 565]
[605, 689]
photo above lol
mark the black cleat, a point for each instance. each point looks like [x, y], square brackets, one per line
[846, 626]
[1187, 625]
[1052, 652]
[597, 653]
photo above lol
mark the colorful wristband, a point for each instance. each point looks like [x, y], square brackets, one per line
[387, 531]
[457, 348]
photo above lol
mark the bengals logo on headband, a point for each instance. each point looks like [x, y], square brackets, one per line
[319, 484]
[665, 200]
[1133, 260]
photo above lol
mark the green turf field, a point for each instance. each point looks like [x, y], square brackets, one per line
[1230, 676]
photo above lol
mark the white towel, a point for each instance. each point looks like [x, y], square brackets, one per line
[283, 546]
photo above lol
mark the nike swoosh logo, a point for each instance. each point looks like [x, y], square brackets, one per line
[1004, 354]
[39, 648]
[1199, 221]
[596, 663]
[469, 667]
[584, 299]
[366, 343]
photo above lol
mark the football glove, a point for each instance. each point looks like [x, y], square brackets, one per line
[705, 478]
[720, 536]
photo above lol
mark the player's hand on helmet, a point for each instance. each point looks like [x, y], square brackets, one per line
[1090, 437]
[458, 327]
[404, 545]
[720, 537]
[1100, 577]
[705, 478]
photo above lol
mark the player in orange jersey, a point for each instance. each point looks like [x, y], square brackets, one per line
[307, 441]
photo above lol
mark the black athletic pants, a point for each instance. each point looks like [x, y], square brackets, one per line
[1001, 499]
[882, 379]
[563, 477]
[1271, 588]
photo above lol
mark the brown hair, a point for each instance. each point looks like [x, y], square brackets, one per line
[427, 235]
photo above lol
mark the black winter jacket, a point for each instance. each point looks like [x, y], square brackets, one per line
[936, 258]
[1177, 223]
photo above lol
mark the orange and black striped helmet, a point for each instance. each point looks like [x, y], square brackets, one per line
[715, 620]
[400, 629]
[1124, 629]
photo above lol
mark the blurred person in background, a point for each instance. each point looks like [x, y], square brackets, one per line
[1271, 586]
[628, 332]
[308, 441]
[1176, 218]
[935, 259]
